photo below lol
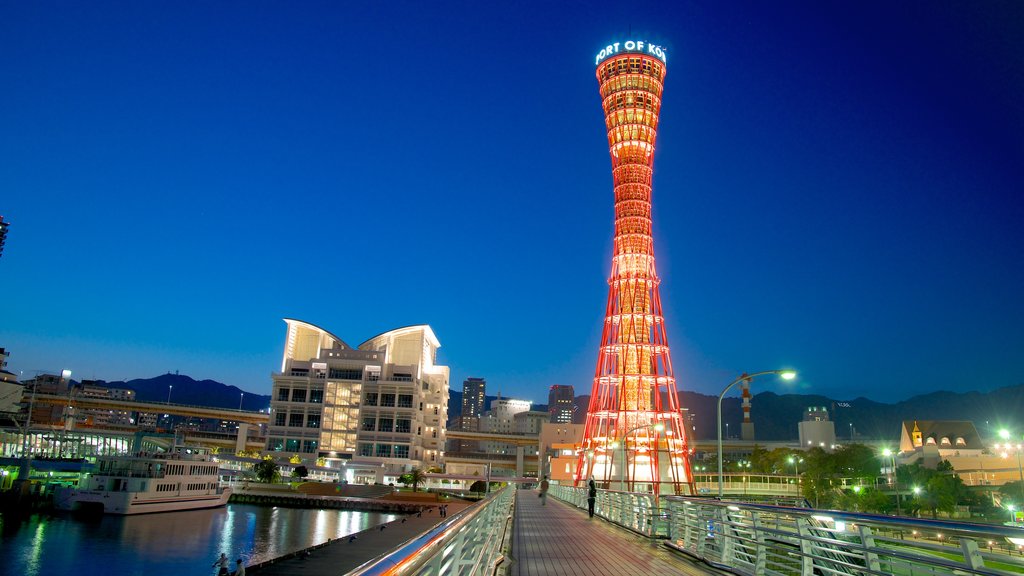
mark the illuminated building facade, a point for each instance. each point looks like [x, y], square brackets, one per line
[375, 411]
[560, 403]
[634, 438]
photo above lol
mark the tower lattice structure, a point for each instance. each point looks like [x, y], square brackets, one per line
[634, 387]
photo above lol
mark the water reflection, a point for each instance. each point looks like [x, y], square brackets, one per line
[170, 543]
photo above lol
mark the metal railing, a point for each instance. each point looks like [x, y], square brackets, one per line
[757, 539]
[469, 543]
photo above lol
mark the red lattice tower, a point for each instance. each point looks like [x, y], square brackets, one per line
[635, 438]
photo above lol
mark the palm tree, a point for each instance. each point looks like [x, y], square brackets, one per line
[416, 477]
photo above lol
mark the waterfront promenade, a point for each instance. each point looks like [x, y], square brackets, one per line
[562, 540]
[553, 540]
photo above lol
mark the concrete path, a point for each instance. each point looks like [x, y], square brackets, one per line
[561, 540]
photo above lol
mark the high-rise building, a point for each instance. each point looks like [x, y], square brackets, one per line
[376, 410]
[474, 397]
[560, 404]
[3, 234]
[633, 437]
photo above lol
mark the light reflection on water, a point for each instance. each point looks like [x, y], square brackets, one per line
[172, 543]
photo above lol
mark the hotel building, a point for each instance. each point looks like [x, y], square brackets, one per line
[373, 411]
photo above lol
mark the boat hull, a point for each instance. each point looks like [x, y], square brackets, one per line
[127, 503]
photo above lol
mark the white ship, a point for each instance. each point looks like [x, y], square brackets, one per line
[144, 483]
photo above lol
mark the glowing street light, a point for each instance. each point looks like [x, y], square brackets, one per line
[784, 374]
[892, 457]
[796, 464]
[1005, 435]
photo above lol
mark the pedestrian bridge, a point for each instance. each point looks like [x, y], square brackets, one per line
[513, 534]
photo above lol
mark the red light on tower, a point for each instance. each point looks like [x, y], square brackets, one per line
[634, 438]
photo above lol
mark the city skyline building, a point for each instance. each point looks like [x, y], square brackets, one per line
[560, 403]
[634, 432]
[474, 397]
[376, 411]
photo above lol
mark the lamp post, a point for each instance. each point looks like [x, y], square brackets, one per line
[170, 387]
[895, 486]
[622, 473]
[1005, 435]
[241, 397]
[785, 374]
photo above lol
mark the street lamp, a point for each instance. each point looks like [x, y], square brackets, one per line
[1005, 435]
[784, 374]
[622, 473]
[169, 388]
[895, 486]
[241, 397]
[796, 464]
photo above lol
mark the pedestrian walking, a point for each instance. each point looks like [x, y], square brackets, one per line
[240, 570]
[544, 491]
[221, 564]
[591, 496]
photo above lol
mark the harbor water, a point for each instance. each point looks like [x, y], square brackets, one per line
[170, 543]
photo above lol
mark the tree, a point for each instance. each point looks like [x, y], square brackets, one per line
[300, 472]
[266, 470]
[413, 478]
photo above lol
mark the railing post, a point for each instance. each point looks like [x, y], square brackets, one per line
[759, 538]
[867, 539]
[726, 533]
[806, 547]
[972, 555]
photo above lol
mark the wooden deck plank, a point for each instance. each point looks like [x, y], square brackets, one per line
[561, 540]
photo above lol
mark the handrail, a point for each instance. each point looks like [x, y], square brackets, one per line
[468, 543]
[762, 539]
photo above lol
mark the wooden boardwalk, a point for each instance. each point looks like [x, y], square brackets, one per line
[561, 540]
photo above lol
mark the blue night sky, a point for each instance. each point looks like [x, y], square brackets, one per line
[837, 188]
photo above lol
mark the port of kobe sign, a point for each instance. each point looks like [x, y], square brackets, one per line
[631, 46]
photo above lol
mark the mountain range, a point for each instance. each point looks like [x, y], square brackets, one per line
[775, 416]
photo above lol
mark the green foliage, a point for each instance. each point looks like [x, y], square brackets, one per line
[413, 478]
[300, 472]
[266, 471]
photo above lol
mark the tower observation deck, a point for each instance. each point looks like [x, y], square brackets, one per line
[634, 438]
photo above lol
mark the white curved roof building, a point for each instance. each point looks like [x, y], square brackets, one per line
[375, 411]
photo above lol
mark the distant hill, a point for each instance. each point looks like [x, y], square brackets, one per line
[775, 416]
[196, 392]
[455, 404]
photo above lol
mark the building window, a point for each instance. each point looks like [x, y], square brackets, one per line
[295, 420]
[282, 394]
[346, 373]
[370, 399]
[386, 424]
[387, 400]
[399, 377]
[316, 396]
[433, 433]
[435, 410]
[366, 449]
[313, 421]
[276, 444]
[298, 395]
[403, 425]
[369, 424]
[291, 445]
[405, 400]
[400, 451]
[309, 446]
[383, 450]
[280, 418]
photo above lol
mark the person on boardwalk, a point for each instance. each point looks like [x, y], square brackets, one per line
[591, 496]
[240, 571]
[221, 564]
[544, 491]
